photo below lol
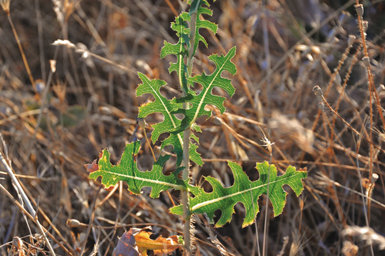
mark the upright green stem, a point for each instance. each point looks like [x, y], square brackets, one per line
[193, 14]
[185, 195]
[186, 143]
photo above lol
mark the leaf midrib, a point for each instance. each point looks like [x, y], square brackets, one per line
[167, 111]
[219, 71]
[158, 182]
[215, 200]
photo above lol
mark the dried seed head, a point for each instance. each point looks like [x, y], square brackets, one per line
[374, 177]
[5, 5]
[268, 144]
[365, 234]
[349, 249]
[317, 90]
[315, 49]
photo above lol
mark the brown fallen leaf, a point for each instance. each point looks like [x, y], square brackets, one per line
[126, 245]
[137, 242]
[160, 246]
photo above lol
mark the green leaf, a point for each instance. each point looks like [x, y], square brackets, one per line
[208, 82]
[180, 26]
[183, 32]
[198, 8]
[170, 122]
[160, 105]
[128, 171]
[246, 192]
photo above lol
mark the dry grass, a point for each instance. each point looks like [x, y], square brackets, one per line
[79, 99]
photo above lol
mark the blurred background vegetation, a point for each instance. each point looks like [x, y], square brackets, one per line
[82, 99]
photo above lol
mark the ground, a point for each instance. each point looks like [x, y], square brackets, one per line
[80, 99]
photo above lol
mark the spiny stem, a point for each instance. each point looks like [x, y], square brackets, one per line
[185, 195]
[185, 176]
[186, 142]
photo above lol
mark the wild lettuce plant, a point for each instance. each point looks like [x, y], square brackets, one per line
[182, 135]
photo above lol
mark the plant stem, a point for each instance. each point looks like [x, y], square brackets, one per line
[186, 142]
[267, 56]
[191, 52]
[185, 195]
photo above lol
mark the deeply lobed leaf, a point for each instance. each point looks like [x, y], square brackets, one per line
[221, 198]
[199, 7]
[159, 105]
[180, 26]
[208, 82]
[170, 122]
[128, 171]
[183, 31]
[246, 192]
